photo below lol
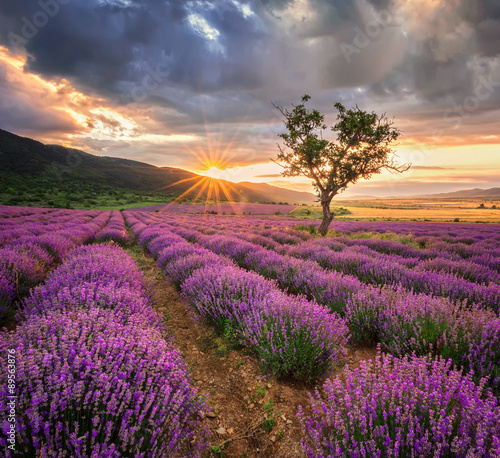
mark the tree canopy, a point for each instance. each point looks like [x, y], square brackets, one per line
[362, 149]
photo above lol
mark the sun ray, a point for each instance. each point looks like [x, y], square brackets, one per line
[187, 191]
[185, 180]
[213, 155]
[206, 183]
[209, 192]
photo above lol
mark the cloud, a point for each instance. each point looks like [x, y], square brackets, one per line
[210, 70]
[26, 104]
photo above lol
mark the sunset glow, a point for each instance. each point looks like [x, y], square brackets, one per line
[192, 102]
[205, 203]
[215, 172]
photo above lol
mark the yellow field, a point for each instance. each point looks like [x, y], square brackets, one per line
[408, 210]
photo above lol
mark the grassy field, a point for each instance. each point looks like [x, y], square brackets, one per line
[89, 199]
[409, 210]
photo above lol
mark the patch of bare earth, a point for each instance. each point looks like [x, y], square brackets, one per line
[242, 422]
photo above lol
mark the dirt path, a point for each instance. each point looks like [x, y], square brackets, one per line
[253, 414]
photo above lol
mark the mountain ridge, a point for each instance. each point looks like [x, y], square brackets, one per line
[465, 193]
[25, 162]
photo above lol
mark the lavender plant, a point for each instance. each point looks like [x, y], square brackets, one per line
[225, 296]
[181, 268]
[299, 339]
[291, 336]
[123, 300]
[402, 407]
[88, 385]
[99, 263]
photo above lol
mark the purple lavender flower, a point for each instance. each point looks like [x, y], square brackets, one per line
[291, 336]
[88, 384]
[408, 407]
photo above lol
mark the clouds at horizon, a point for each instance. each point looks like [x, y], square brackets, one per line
[157, 80]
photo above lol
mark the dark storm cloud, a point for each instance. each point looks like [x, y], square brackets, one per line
[149, 53]
[105, 46]
[448, 54]
[95, 43]
[487, 21]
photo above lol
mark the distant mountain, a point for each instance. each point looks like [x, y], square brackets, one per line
[476, 193]
[26, 163]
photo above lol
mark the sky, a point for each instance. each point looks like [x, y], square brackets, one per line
[191, 84]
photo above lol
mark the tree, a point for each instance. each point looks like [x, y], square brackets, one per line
[362, 149]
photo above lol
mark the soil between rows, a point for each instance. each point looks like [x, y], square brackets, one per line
[238, 391]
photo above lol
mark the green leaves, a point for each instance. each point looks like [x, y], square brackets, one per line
[361, 150]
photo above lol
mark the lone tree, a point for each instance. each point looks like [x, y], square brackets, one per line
[362, 149]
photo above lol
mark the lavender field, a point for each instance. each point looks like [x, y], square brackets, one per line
[95, 372]
[229, 208]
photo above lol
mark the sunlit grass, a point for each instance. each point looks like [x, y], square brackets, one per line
[407, 210]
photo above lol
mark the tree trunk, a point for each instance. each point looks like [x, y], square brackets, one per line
[327, 216]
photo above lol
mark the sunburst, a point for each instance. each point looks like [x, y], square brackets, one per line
[209, 185]
[213, 159]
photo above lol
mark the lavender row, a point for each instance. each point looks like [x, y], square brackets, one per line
[402, 407]
[95, 375]
[418, 324]
[478, 244]
[292, 337]
[404, 322]
[293, 275]
[25, 261]
[234, 208]
[434, 250]
[365, 268]
[8, 212]
[359, 253]
[351, 421]
[486, 236]
[423, 278]
[114, 230]
[17, 227]
[478, 267]
[460, 236]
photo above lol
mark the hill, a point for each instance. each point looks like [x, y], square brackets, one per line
[491, 193]
[28, 166]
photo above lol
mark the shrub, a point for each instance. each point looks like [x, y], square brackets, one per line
[176, 250]
[88, 385]
[407, 407]
[102, 264]
[7, 295]
[406, 323]
[182, 268]
[126, 303]
[19, 270]
[298, 339]
[224, 296]
[291, 336]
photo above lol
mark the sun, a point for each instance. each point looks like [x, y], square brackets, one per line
[212, 180]
[215, 172]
